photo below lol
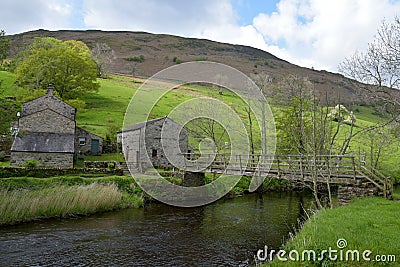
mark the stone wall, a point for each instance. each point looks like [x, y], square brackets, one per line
[131, 140]
[46, 121]
[346, 193]
[102, 164]
[151, 149]
[60, 160]
[173, 141]
[44, 172]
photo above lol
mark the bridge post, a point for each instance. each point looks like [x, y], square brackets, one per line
[193, 179]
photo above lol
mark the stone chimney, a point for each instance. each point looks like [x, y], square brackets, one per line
[50, 89]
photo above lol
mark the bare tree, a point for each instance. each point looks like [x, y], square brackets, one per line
[376, 72]
[103, 55]
[264, 83]
[376, 76]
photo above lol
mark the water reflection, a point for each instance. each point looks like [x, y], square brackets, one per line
[226, 233]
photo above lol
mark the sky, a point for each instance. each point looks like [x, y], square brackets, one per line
[311, 33]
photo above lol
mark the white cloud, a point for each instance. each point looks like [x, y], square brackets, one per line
[309, 33]
[179, 17]
[322, 33]
[19, 16]
[214, 20]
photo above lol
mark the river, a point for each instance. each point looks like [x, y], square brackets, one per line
[226, 233]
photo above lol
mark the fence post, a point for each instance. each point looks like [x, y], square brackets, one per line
[279, 168]
[354, 167]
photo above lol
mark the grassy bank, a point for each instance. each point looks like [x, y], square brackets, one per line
[61, 201]
[366, 224]
[24, 198]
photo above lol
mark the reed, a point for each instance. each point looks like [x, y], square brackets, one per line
[59, 201]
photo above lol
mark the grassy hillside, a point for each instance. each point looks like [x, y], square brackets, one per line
[105, 110]
[160, 51]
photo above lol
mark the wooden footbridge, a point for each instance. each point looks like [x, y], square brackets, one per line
[335, 169]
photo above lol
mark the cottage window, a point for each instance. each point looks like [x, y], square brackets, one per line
[82, 141]
[154, 153]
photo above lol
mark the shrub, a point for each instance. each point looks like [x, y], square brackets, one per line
[138, 59]
[31, 164]
[177, 60]
[111, 165]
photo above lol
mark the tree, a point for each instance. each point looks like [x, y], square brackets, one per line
[4, 45]
[103, 55]
[376, 74]
[263, 81]
[377, 70]
[308, 128]
[67, 65]
[8, 109]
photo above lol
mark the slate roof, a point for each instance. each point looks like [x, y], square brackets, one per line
[44, 142]
[140, 125]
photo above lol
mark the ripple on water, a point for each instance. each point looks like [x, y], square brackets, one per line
[225, 233]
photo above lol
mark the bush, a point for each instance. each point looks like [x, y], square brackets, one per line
[31, 164]
[138, 59]
[111, 165]
[177, 60]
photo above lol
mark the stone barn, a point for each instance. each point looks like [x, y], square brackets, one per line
[87, 142]
[142, 142]
[47, 133]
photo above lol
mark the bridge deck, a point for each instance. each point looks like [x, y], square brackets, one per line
[323, 168]
[334, 169]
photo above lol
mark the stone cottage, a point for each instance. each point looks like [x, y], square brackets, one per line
[47, 133]
[143, 145]
[87, 142]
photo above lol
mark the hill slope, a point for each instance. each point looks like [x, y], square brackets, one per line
[160, 50]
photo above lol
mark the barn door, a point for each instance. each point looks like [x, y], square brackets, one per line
[94, 148]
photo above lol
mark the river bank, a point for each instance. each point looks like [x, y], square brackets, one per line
[24, 199]
[340, 236]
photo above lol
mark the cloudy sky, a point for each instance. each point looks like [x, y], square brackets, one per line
[310, 33]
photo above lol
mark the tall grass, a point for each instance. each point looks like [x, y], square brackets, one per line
[59, 201]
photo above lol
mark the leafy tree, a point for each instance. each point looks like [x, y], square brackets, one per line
[67, 65]
[309, 128]
[8, 109]
[4, 45]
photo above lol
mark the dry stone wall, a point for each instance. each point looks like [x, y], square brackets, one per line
[59, 160]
